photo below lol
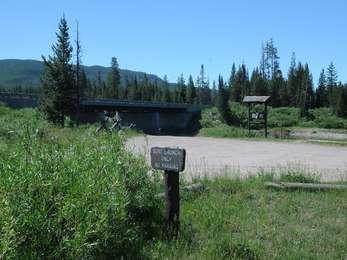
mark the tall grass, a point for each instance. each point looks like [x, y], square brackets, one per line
[69, 193]
[242, 219]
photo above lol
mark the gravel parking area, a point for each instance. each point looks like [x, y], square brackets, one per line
[232, 157]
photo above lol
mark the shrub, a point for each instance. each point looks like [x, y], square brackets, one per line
[211, 118]
[283, 116]
[325, 118]
[239, 114]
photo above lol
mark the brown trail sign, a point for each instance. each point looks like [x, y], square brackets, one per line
[172, 161]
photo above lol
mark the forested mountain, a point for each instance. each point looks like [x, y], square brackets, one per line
[27, 73]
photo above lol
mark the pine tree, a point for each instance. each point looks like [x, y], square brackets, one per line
[166, 97]
[83, 82]
[222, 103]
[214, 93]
[191, 92]
[342, 102]
[101, 90]
[80, 86]
[113, 80]
[331, 78]
[125, 94]
[182, 90]
[231, 81]
[258, 84]
[292, 84]
[204, 93]
[269, 63]
[309, 93]
[321, 93]
[58, 83]
[241, 85]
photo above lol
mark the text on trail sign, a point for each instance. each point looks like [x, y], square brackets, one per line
[168, 159]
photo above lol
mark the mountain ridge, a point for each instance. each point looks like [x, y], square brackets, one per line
[27, 73]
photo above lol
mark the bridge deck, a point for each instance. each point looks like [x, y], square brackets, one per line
[125, 104]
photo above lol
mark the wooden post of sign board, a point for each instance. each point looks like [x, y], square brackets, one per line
[249, 119]
[172, 194]
[172, 161]
[265, 120]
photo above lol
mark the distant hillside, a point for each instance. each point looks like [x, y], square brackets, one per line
[14, 72]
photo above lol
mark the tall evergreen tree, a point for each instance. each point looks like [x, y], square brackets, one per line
[258, 84]
[101, 90]
[292, 84]
[241, 85]
[222, 103]
[214, 93]
[321, 92]
[166, 97]
[331, 78]
[191, 92]
[342, 102]
[231, 81]
[309, 92]
[182, 89]
[113, 80]
[58, 83]
[204, 92]
[80, 86]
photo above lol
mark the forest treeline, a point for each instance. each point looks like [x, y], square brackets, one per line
[64, 82]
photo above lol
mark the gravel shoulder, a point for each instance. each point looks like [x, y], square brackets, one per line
[233, 157]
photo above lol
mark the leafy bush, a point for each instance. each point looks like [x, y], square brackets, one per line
[325, 118]
[211, 117]
[68, 193]
[239, 114]
[283, 116]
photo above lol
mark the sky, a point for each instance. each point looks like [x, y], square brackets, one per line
[176, 36]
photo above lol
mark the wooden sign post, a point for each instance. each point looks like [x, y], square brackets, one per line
[172, 161]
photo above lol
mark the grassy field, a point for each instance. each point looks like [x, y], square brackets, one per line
[72, 193]
[244, 220]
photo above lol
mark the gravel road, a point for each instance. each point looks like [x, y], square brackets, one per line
[231, 157]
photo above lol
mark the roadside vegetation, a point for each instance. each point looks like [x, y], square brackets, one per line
[71, 193]
[287, 118]
[241, 219]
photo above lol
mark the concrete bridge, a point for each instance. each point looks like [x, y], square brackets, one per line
[150, 117]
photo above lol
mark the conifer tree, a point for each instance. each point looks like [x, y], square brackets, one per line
[258, 84]
[321, 92]
[58, 83]
[292, 84]
[113, 80]
[222, 103]
[214, 93]
[182, 90]
[204, 92]
[191, 92]
[231, 81]
[166, 97]
[342, 102]
[331, 78]
[241, 86]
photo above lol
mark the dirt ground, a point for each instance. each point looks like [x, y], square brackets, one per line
[232, 157]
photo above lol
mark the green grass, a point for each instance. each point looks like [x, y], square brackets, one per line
[242, 219]
[226, 131]
[71, 193]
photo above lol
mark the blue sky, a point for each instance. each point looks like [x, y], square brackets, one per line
[173, 37]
